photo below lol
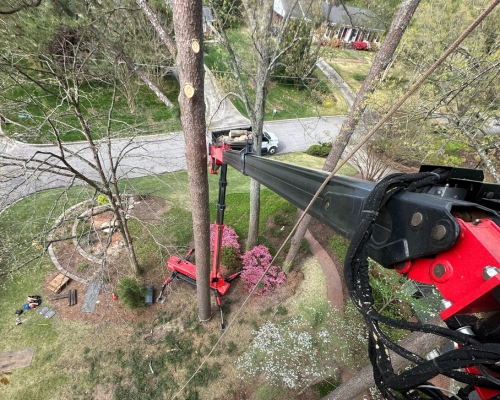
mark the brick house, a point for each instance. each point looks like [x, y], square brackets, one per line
[357, 24]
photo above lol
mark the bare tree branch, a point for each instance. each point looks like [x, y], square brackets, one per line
[142, 76]
[151, 16]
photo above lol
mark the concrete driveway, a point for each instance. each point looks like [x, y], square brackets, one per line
[299, 134]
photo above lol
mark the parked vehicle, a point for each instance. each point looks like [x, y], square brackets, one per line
[269, 143]
[237, 137]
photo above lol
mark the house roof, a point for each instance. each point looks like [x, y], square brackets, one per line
[361, 17]
[207, 14]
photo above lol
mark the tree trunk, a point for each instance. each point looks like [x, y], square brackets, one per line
[261, 26]
[119, 214]
[254, 215]
[382, 59]
[295, 242]
[417, 342]
[189, 37]
[487, 161]
[106, 188]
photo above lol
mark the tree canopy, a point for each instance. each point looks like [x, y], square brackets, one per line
[460, 101]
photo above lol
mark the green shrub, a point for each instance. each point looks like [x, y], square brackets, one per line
[321, 86]
[279, 232]
[131, 293]
[327, 386]
[281, 310]
[230, 258]
[285, 217]
[359, 77]
[304, 246]
[231, 347]
[266, 242]
[319, 150]
[81, 267]
[206, 374]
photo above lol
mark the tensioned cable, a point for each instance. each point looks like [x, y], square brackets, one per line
[389, 114]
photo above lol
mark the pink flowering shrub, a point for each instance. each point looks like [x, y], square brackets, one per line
[255, 262]
[229, 237]
[360, 45]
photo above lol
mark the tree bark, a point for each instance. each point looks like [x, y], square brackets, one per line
[382, 59]
[254, 215]
[416, 342]
[295, 242]
[188, 31]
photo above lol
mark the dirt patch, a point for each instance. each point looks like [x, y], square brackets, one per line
[158, 332]
[98, 246]
[106, 310]
[100, 255]
[149, 208]
[103, 392]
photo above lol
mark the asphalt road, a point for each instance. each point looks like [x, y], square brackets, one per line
[300, 134]
[147, 155]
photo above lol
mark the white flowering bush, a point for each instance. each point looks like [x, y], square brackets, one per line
[292, 354]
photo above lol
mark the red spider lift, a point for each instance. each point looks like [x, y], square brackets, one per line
[446, 234]
[184, 270]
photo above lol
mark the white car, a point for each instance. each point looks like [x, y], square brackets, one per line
[269, 143]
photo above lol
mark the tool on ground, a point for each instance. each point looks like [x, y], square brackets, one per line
[71, 296]
[18, 317]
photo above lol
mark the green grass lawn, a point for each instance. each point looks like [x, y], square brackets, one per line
[149, 117]
[353, 73]
[23, 226]
[320, 98]
[72, 359]
[331, 52]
